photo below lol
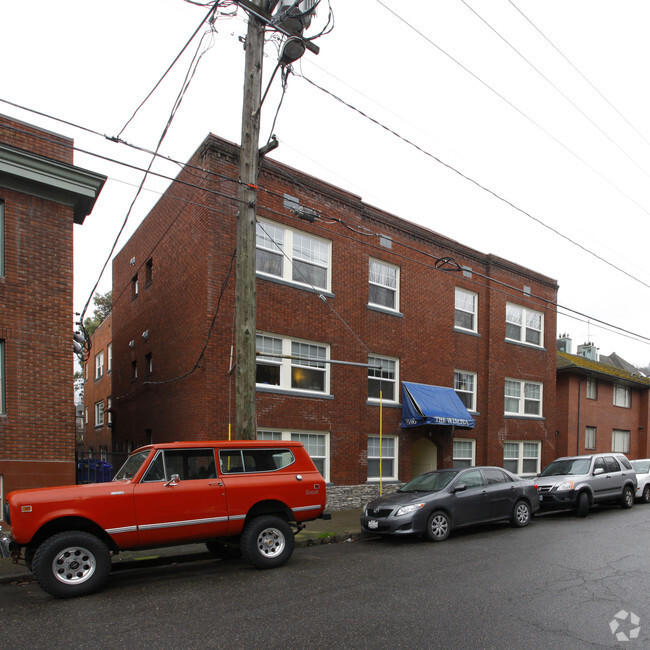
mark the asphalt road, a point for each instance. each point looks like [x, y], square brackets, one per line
[556, 584]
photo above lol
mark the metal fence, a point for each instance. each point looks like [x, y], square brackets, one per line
[98, 467]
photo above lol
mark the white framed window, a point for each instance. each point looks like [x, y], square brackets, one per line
[464, 453]
[99, 365]
[316, 443]
[465, 387]
[524, 325]
[592, 388]
[621, 396]
[292, 364]
[523, 398]
[621, 441]
[590, 437]
[292, 255]
[383, 283]
[384, 378]
[109, 357]
[466, 310]
[99, 413]
[109, 414]
[86, 415]
[522, 458]
[382, 458]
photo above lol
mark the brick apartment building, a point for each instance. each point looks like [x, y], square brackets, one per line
[98, 412]
[337, 280]
[601, 405]
[42, 196]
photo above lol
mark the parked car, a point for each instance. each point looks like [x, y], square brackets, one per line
[438, 502]
[247, 492]
[642, 469]
[579, 482]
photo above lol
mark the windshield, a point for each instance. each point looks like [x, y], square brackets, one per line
[429, 482]
[567, 467]
[132, 465]
[641, 466]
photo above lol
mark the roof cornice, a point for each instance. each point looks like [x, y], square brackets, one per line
[49, 179]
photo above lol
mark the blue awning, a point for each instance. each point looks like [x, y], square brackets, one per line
[424, 404]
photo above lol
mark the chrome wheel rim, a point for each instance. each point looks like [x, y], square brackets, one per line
[646, 494]
[270, 542]
[629, 497]
[522, 513]
[439, 526]
[74, 565]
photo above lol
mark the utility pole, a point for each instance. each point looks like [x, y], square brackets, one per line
[245, 295]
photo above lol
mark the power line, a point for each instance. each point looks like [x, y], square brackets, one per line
[471, 180]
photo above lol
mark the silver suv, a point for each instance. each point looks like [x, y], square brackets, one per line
[579, 482]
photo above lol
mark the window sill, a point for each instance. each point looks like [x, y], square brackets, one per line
[385, 403]
[512, 416]
[294, 285]
[460, 330]
[292, 392]
[530, 346]
[385, 310]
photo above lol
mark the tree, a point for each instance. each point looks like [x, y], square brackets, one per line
[103, 307]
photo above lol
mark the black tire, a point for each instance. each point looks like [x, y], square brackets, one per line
[521, 514]
[267, 542]
[438, 526]
[582, 505]
[627, 498]
[70, 564]
[645, 495]
[223, 551]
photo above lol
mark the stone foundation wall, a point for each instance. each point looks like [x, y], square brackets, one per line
[349, 497]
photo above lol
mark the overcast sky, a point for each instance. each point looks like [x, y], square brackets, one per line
[544, 104]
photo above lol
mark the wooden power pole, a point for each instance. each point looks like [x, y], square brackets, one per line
[245, 298]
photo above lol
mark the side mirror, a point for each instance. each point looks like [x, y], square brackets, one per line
[460, 488]
[598, 470]
[175, 479]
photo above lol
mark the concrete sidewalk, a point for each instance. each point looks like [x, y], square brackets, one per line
[344, 525]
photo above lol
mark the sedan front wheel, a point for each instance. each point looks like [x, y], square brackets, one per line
[521, 514]
[438, 526]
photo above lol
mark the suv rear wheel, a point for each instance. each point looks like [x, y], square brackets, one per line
[267, 542]
[627, 499]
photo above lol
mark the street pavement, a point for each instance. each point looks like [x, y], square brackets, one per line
[344, 525]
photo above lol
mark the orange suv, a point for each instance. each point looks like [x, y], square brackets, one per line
[236, 496]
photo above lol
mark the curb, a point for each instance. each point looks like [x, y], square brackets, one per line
[18, 573]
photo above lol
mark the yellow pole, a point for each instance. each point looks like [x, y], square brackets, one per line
[381, 445]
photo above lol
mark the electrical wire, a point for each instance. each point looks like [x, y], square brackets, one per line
[472, 180]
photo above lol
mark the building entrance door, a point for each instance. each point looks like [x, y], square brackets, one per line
[424, 457]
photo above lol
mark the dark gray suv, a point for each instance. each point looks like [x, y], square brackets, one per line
[579, 482]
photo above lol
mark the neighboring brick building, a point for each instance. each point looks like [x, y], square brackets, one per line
[353, 284]
[42, 195]
[601, 407]
[98, 414]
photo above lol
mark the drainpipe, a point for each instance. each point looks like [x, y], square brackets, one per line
[579, 399]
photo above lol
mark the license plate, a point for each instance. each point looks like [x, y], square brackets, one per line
[373, 523]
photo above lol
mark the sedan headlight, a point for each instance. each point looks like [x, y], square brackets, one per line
[406, 510]
[565, 485]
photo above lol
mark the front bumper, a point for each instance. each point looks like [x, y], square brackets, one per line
[566, 499]
[5, 540]
[392, 525]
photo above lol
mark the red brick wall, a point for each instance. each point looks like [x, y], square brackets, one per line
[576, 412]
[95, 390]
[191, 242]
[39, 141]
[37, 433]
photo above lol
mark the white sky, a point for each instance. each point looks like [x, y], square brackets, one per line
[503, 125]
